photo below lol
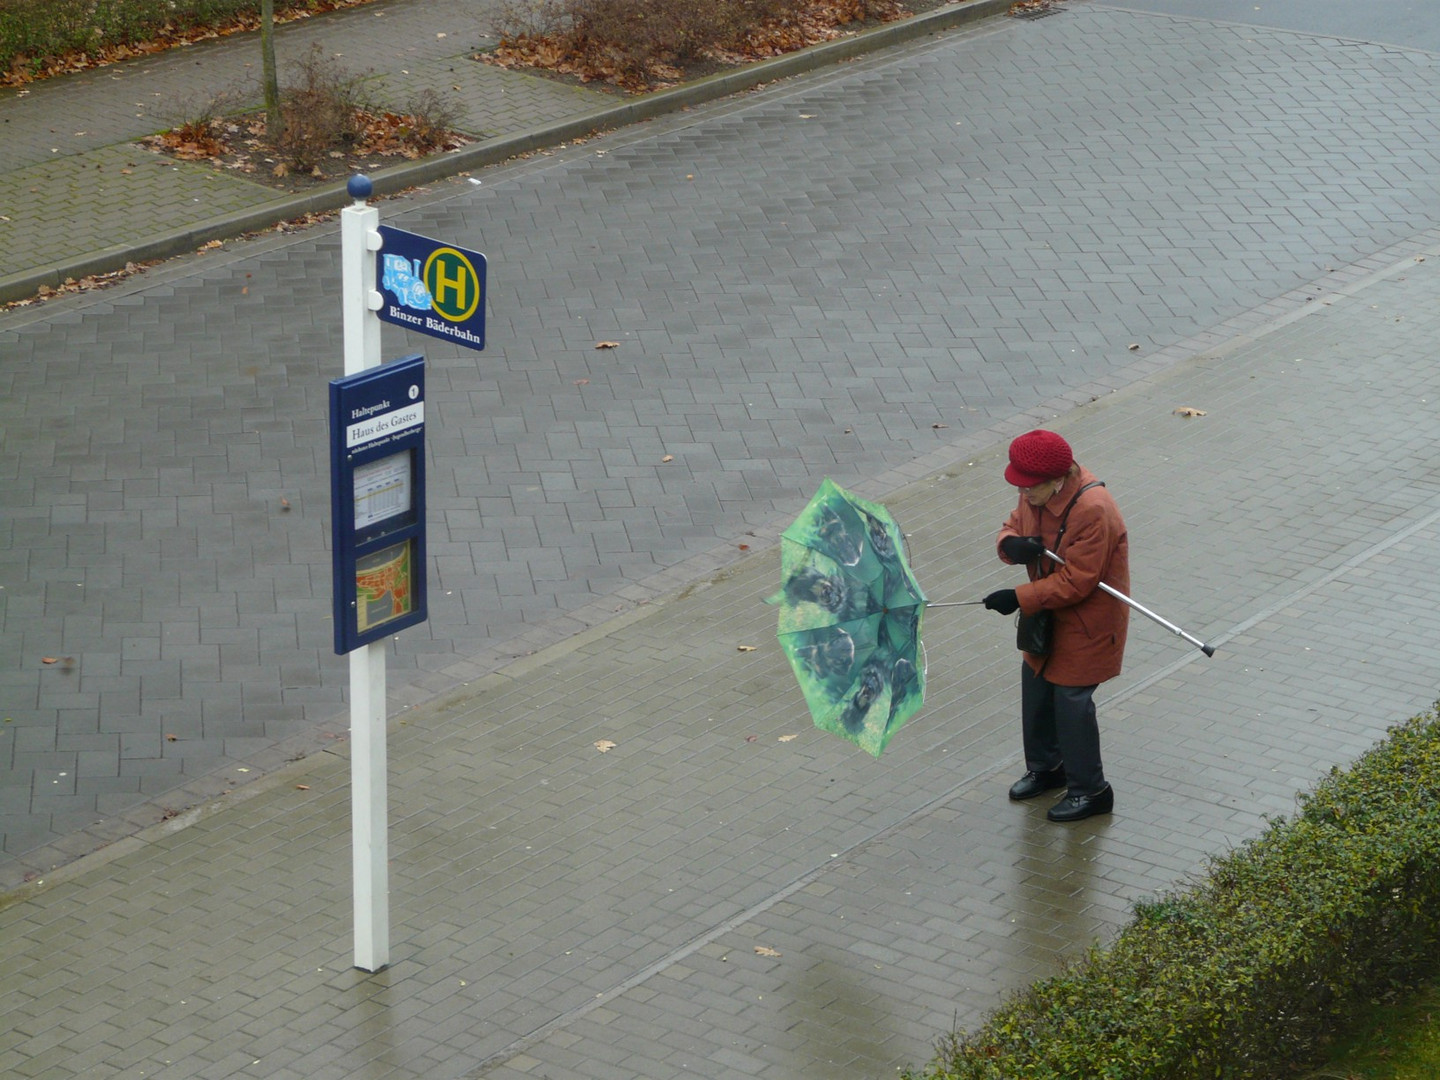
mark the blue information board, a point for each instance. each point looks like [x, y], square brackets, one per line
[377, 501]
[431, 287]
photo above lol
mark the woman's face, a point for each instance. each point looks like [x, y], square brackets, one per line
[1042, 492]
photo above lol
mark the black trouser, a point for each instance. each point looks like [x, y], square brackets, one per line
[1059, 728]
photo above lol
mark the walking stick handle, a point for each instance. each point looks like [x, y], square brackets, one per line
[1208, 650]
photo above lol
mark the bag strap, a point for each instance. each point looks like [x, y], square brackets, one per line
[1065, 517]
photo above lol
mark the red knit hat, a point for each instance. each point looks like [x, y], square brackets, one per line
[1038, 456]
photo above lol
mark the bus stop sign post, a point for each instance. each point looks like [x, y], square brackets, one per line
[369, 797]
[377, 499]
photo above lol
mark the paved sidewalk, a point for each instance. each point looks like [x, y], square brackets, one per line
[69, 153]
[715, 898]
[562, 912]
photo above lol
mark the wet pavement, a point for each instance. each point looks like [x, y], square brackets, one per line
[858, 273]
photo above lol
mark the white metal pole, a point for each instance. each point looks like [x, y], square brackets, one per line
[369, 807]
[359, 241]
[369, 798]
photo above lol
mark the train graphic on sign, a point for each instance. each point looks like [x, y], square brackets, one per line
[403, 277]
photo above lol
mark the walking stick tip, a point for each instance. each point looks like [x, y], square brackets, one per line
[1208, 650]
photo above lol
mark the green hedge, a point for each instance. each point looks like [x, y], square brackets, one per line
[1244, 974]
[34, 33]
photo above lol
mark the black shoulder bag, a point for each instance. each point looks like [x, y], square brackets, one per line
[1033, 632]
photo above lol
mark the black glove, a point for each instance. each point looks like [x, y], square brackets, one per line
[1002, 600]
[1022, 549]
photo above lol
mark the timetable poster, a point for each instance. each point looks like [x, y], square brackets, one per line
[382, 490]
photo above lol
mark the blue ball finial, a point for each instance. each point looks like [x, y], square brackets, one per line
[359, 187]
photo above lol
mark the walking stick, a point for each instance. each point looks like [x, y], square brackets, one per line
[1208, 650]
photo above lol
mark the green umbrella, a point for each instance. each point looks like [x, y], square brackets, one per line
[850, 614]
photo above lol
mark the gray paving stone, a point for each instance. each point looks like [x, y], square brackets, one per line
[614, 896]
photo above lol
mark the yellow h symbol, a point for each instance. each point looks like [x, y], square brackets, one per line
[449, 274]
[445, 284]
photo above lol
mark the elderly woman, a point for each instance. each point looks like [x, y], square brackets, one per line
[1065, 509]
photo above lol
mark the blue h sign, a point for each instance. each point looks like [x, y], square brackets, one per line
[432, 287]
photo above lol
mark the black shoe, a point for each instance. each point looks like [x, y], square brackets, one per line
[1037, 783]
[1076, 807]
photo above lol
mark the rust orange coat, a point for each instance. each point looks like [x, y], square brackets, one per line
[1090, 625]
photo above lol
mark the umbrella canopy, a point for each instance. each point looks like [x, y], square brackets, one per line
[850, 614]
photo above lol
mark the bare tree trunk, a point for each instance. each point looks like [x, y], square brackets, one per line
[267, 67]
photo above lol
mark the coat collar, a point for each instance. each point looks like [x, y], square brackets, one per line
[1057, 503]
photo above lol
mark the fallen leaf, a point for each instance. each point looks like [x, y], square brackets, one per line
[607, 344]
[744, 547]
[284, 503]
[302, 787]
[746, 648]
[49, 659]
[765, 950]
[582, 382]
[172, 738]
[668, 457]
[604, 746]
[938, 426]
[1133, 346]
[751, 738]
[280, 170]
[788, 738]
[1187, 411]
[211, 245]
